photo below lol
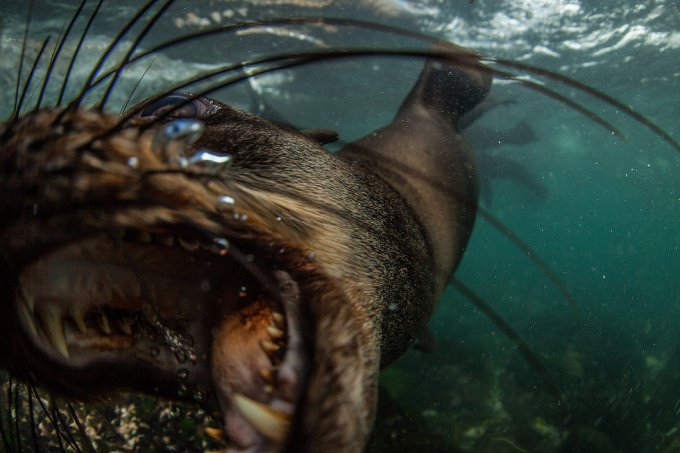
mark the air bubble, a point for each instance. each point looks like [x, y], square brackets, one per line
[182, 373]
[225, 203]
[211, 158]
[184, 130]
[133, 162]
[222, 245]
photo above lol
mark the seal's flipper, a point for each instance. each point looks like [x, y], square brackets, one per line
[422, 156]
[450, 88]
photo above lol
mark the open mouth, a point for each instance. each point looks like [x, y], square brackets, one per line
[174, 316]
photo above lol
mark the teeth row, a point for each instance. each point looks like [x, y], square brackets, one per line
[274, 350]
[277, 336]
[51, 319]
[269, 422]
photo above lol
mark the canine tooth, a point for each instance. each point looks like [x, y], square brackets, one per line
[214, 433]
[30, 301]
[104, 323]
[269, 346]
[267, 374]
[125, 325]
[275, 332]
[50, 316]
[27, 316]
[78, 315]
[270, 423]
[279, 320]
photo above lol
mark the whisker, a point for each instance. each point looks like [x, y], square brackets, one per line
[57, 427]
[22, 98]
[22, 58]
[48, 413]
[134, 89]
[657, 130]
[63, 425]
[529, 355]
[57, 51]
[104, 57]
[76, 52]
[154, 19]
[604, 97]
[31, 418]
[530, 253]
[81, 429]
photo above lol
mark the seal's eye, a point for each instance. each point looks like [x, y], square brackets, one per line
[176, 105]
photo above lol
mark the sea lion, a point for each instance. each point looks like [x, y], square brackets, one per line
[249, 270]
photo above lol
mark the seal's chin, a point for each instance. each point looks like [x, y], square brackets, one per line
[171, 316]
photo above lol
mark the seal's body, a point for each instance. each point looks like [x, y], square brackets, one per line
[275, 287]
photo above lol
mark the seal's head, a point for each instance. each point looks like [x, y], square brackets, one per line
[214, 270]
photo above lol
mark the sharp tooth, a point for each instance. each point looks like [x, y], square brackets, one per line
[30, 301]
[214, 433]
[50, 316]
[267, 374]
[104, 323]
[269, 346]
[270, 423]
[275, 332]
[78, 315]
[27, 317]
[125, 325]
[279, 320]
[272, 351]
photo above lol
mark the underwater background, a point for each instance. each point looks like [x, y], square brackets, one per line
[603, 213]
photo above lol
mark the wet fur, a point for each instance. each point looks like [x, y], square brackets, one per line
[396, 246]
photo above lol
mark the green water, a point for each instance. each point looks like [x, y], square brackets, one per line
[608, 226]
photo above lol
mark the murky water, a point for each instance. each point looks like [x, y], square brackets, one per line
[602, 212]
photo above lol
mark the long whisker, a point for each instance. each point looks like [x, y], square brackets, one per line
[31, 417]
[154, 19]
[62, 423]
[81, 429]
[657, 130]
[134, 89]
[104, 57]
[22, 57]
[287, 61]
[57, 51]
[76, 52]
[29, 78]
[530, 253]
[637, 116]
[530, 356]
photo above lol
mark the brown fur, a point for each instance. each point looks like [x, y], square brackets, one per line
[368, 239]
